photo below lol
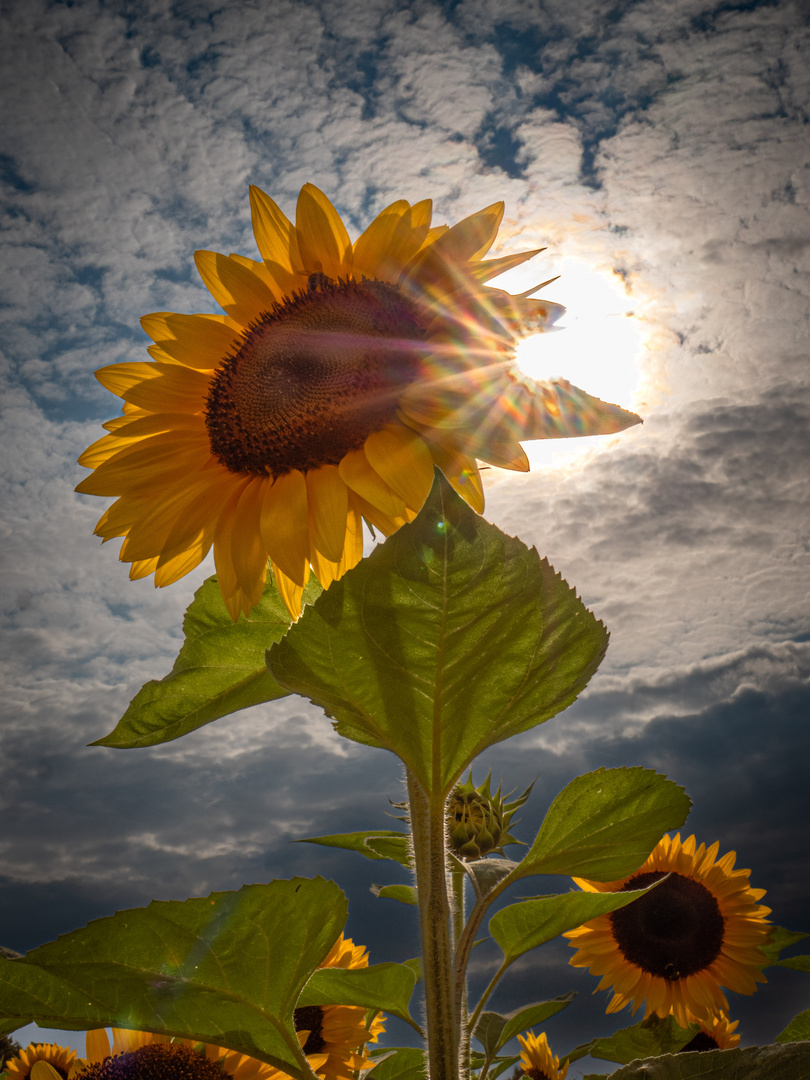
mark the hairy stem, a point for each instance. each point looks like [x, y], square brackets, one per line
[430, 863]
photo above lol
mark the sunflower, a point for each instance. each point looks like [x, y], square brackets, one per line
[699, 930]
[61, 1060]
[716, 1033]
[537, 1061]
[339, 375]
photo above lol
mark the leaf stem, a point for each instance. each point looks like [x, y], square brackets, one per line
[430, 863]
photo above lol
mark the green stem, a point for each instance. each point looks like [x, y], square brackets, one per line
[430, 863]
[458, 879]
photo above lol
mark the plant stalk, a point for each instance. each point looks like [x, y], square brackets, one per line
[429, 832]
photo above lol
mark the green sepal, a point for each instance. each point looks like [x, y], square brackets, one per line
[380, 987]
[379, 844]
[196, 968]
[520, 927]
[406, 894]
[781, 939]
[488, 641]
[494, 1030]
[798, 1030]
[791, 1062]
[649, 1038]
[220, 669]
[604, 824]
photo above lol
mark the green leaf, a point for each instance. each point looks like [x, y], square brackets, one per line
[798, 1030]
[649, 1038]
[226, 969]
[385, 987]
[382, 844]
[488, 641]
[401, 1063]
[605, 824]
[406, 894]
[781, 939]
[487, 873]
[753, 1063]
[796, 963]
[494, 1031]
[523, 926]
[220, 669]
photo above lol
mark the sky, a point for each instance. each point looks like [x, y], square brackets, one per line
[660, 152]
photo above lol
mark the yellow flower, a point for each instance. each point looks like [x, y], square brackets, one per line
[675, 948]
[339, 375]
[61, 1063]
[716, 1033]
[537, 1061]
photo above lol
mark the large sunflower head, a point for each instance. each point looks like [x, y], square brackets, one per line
[338, 376]
[698, 931]
[536, 1059]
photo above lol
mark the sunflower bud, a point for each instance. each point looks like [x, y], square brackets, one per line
[478, 821]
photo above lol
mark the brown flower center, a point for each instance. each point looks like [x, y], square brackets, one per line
[314, 377]
[156, 1061]
[310, 1018]
[673, 931]
[701, 1042]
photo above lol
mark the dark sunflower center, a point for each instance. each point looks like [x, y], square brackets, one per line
[313, 378]
[310, 1018]
[157, 1061]
[537, 1074]
[673, 931]
[701, 1042]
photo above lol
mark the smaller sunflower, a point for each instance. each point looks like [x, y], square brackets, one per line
[537, 1061]
[62, 1061]
[700, 930]
[717, 1033]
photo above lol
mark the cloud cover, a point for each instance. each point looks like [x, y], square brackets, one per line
[667, 141]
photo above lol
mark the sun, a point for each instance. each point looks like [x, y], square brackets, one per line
[599, 343]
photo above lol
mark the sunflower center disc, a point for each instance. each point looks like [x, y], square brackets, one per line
[156, 1061]
[673, 931]
[313, 378]
[310, 1018]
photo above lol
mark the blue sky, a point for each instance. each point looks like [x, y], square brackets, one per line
[664, 142]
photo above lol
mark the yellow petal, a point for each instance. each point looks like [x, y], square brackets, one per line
[370, 251]
[43, 1070]
[151, 464]
[198, 341]
[401, 458]
[171, 569]
[284, 526]
[247, 550]
[176, 389]
[409, 234]
[490, 268]
[241, 293]
[97, 1044]
[289, 592]
[276, 239]
[322, 238]
[223, 555]
[118, 378]
[362, 479]
[462, 472]
[328, 500]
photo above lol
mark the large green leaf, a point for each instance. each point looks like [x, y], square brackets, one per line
[220, 669]
[523, 926]
[385, 987]
[649, 1038]
[605, 824]
[798, 1030]
[449, 637]
[796, 963]
[399, 1063]
[494, 1030]
[227, 969]
[781, 939]
[382, 844]
[791, 1062]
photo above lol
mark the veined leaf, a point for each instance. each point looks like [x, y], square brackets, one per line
[649, 1038]
[487, 641]
[798, 1030]
[220, 669]
[382, 844]
[605, 824]
[781, 939]
[385, 987]
[406, 894]
[523, 926]
[494, 1031]
[790, 1062]
[399, 1063]
[226, 969]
